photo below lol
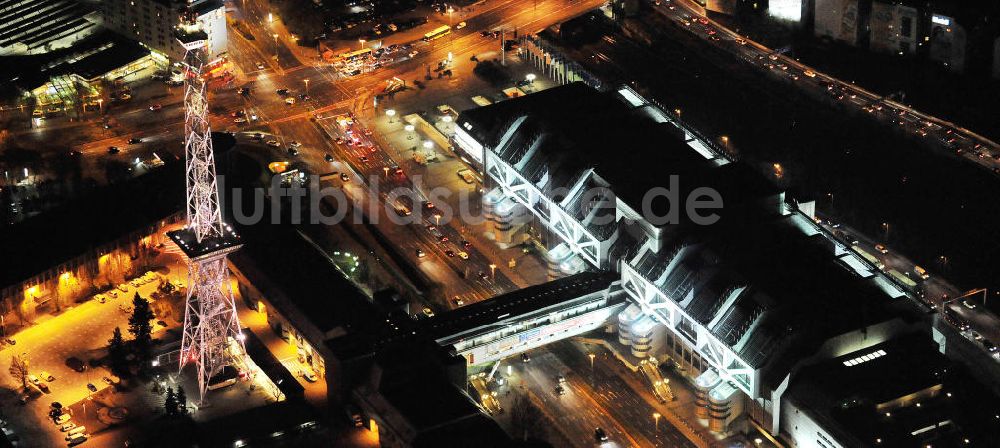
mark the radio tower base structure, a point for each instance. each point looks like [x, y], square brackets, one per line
[212, 337]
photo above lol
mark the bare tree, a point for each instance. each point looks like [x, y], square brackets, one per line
[19, 369]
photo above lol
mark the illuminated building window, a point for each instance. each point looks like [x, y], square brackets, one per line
[864, 358]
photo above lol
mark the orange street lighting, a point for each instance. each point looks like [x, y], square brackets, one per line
[656, 418]
[362, 43]
[306, 81]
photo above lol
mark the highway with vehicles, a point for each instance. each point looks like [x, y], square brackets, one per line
[938, 132]
[315, 105]
[590, 396]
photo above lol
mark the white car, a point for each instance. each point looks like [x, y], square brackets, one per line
[309, 376]
[273, 143]
[460, 25]
[67, 426]
[428, 312]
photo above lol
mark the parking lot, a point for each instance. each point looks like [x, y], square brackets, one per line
[80, 332]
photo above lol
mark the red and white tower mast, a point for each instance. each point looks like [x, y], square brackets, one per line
[212, 336]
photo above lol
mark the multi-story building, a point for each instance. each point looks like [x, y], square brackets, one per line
[152, 22]
[893, 28]
[739, 303]
[41, 26]
[116, 248]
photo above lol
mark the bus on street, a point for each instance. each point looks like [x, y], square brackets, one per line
[438, 32]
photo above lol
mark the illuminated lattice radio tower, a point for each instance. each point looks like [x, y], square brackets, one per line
[212, 338]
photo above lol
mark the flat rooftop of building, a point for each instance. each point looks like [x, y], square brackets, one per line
[413, 379]
[280, 424]
[91, 221]
[516, 303]
[271, 366]
[849, 390]
[633, 148]
[281, 263]
[88, 58]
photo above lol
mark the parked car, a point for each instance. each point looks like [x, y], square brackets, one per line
[988, 345]
[355, 416]
[310, 376]
[67, 426]
[91, 387]
[428, 312]
[62, 419]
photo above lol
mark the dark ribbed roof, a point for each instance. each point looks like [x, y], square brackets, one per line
[574, 128]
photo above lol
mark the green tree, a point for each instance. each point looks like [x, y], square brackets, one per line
[118, 353]
[181, 401]
[170, 404]
[140, 327]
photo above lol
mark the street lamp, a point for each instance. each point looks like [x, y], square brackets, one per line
[307, 86]
[100, 106]
[725, 141]
[275, 35]
[885, 226]
[362, 43]
[656, 419]
[409, 131]
[493, 270]
[390, 113]
[592, 356]
[270, 18]
[530, 78]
